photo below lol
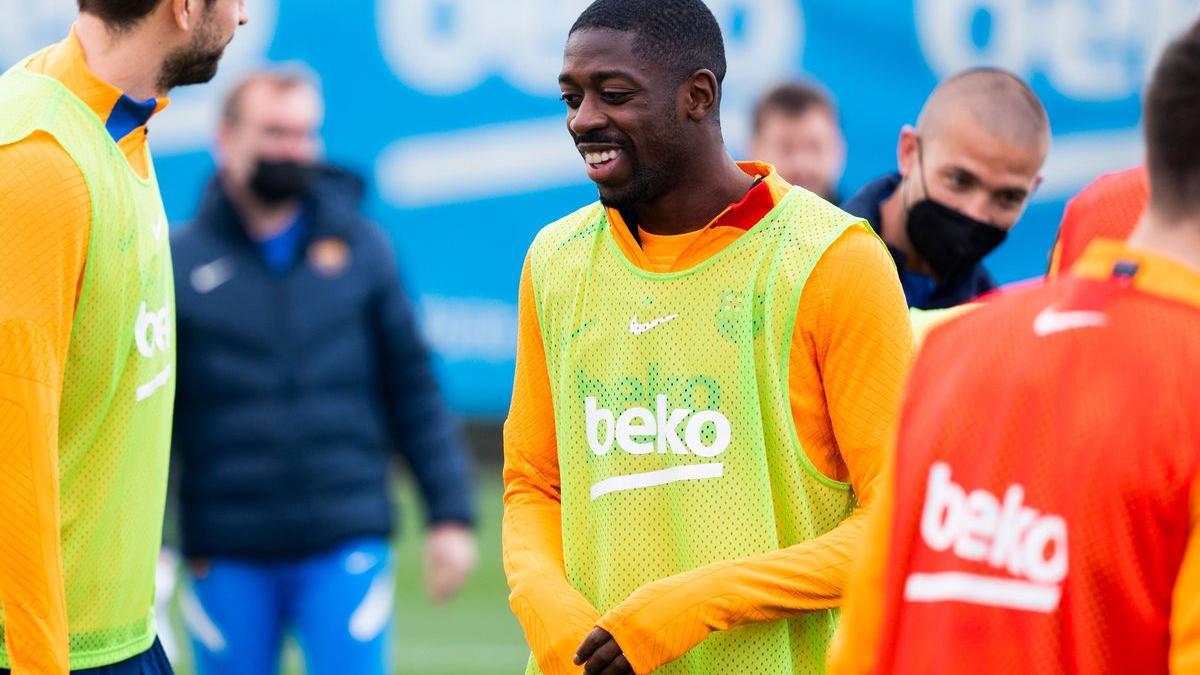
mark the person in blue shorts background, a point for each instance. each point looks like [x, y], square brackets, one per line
[301, 378]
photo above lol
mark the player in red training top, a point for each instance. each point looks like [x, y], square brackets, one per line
[1043, 513]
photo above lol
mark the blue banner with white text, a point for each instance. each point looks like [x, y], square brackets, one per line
[451, 110]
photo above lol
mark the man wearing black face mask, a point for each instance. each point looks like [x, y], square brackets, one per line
[300, 372]
[966, 174]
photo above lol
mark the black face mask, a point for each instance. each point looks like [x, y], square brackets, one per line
[275, 182]
[951, 242]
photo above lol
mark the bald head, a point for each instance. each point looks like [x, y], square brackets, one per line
[996, 101]
[978, 148]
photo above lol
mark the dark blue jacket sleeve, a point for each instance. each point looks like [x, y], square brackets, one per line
[425, 432]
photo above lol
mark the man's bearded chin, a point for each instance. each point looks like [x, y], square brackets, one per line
[195, 64]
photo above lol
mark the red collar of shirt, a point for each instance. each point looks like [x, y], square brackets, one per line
[753, 207]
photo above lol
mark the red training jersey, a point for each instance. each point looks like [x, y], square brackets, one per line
[1044, 477]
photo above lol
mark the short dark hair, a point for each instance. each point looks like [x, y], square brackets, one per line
[121, 14]
[683, 34]
[793, 99]
[1172, 123]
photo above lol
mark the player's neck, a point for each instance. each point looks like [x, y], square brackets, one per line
[1171, 238]
[130, 61]
[705, 189]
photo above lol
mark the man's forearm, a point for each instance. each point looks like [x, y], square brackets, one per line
[663, 620]
[31, 577]
[554, 616]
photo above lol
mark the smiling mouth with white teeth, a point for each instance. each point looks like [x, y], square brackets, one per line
[597, 158]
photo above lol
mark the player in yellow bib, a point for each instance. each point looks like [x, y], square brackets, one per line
[87, 347]
[708, 363]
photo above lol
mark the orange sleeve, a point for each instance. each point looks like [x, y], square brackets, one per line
[852, 350]
[45, 213]
[1185, 605]
[554, 616]
[855, 646]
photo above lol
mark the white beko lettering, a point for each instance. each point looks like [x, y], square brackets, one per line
[662, 424]
[152, 331]
[641, 431]
[152, 336]
[1028, 546]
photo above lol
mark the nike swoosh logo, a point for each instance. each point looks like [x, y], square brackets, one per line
[636, 328]
[1051, 321]
[207, 278]
[159, 227]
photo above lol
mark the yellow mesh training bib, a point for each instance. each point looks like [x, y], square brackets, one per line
[114, 426]
[676, 442]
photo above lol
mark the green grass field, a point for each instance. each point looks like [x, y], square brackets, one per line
[475, 634]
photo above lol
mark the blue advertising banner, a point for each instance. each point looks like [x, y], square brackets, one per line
[450, 108]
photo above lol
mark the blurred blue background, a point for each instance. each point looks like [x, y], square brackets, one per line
[450, 109]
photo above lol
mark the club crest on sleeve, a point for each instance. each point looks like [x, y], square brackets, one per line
[329, 257]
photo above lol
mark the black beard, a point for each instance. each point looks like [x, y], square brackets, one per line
[637, 191]
[647, 184]
[189, 66]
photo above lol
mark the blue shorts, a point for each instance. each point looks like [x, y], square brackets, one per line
[150, 662]
[338, 604]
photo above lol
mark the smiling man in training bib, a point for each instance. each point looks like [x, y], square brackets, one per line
[708, 363]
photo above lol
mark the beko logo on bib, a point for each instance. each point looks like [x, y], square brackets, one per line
[664, 430]
[604, 429]
[1028, 548]
[152, 336]
[152, 331]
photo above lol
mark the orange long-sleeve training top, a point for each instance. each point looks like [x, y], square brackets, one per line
[45, 221]
[850, 355]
